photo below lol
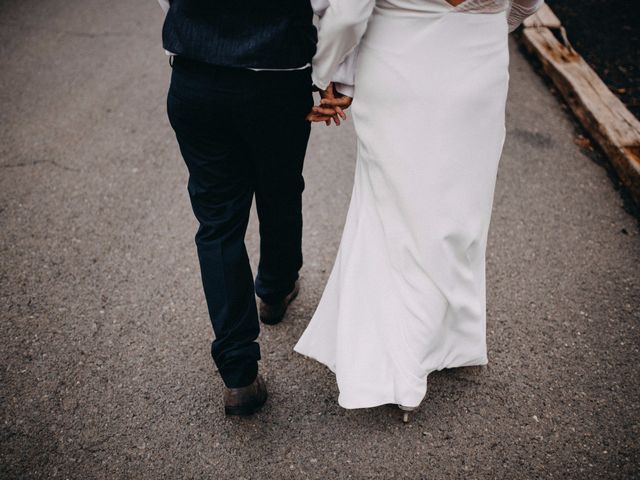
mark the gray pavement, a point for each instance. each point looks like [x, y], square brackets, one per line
[105, 367]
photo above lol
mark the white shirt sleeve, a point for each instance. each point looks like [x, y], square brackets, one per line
[521, 9]
[336, 55]
[164, 4]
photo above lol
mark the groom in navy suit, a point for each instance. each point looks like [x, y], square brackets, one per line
[240, 91]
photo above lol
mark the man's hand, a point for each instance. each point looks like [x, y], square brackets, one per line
[332, 106]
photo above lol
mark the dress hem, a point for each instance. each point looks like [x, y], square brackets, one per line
[388, 400]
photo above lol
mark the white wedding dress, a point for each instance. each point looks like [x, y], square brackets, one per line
[407, 292]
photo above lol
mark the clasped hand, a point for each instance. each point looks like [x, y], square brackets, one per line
[332, 106]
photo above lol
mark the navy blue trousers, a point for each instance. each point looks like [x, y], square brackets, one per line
[242, 134]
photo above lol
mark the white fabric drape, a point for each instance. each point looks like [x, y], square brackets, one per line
[406, 295]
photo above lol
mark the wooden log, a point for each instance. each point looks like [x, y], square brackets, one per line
[615, 129]
[544, 17]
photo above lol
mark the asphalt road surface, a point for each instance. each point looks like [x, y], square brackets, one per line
[104, 334]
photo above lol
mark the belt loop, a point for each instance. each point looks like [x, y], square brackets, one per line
[171, 60]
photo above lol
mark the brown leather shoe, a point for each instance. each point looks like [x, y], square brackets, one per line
[245, 400]
[272, 313]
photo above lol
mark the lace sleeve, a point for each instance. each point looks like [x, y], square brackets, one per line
[521, 9]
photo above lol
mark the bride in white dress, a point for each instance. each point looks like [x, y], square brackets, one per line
[406, 295]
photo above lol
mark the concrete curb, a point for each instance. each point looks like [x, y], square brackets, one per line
[611, 125]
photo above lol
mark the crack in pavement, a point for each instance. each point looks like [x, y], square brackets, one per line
[37, 162]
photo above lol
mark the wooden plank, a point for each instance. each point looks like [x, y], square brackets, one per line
[603, 115]
[544, 17]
